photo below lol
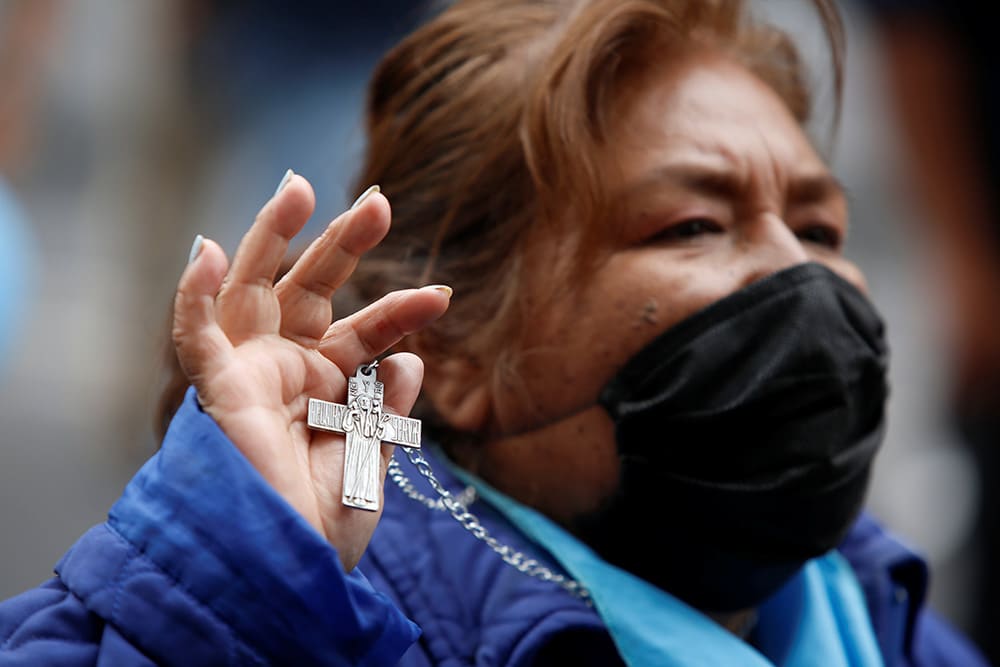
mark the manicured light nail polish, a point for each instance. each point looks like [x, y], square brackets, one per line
[199, 241]
[364, 195]
[284, 181]
[444, 289]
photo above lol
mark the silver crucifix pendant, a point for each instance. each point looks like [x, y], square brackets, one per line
[366, 427]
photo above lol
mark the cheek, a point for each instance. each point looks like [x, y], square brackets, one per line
[575, 345]
[571, 353]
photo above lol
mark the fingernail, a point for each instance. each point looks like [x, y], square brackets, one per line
[199, 241]
[284, 181]
[444, 289]
[364, 195]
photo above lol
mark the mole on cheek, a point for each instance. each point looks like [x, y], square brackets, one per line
[649, 314]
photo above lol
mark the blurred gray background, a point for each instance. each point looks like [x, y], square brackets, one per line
[144, 123]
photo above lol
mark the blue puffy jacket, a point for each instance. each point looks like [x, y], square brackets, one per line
[201, 563]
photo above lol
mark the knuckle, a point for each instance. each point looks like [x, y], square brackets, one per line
[366, 340]
[322, 286]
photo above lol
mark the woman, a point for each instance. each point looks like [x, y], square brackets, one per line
[658, 371]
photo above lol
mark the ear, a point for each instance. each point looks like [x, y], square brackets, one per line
[459, 389]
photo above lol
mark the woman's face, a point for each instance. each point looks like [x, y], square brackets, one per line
[717, 187]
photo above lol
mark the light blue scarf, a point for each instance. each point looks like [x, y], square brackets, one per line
[817, 618]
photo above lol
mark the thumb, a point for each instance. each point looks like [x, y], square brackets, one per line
[202, 347]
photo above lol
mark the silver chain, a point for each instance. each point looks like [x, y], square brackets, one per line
[458, 507]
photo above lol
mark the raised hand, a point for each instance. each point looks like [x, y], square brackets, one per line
[256, 352]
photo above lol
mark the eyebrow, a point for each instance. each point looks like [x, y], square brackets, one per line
[723, 184]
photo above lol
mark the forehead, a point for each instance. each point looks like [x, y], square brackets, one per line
[711, 111]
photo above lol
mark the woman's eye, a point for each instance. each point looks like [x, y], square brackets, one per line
[824, 235]
[689, 229]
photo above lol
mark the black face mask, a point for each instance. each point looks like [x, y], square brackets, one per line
[746, 435]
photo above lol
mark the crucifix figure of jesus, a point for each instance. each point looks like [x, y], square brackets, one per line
[366, 426]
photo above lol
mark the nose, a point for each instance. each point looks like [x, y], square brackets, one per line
[770, 246]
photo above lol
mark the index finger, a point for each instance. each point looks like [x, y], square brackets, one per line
[246, 305]
[265, 244]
